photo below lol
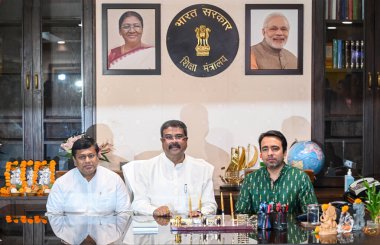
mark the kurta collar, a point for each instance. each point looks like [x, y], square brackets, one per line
[78, 173]
[168, 163]
[284, 169]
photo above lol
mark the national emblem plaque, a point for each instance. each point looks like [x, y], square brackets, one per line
[202, 40]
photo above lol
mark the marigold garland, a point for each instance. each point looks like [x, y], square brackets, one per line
[36, 166]
[36, 219]
[12, 166]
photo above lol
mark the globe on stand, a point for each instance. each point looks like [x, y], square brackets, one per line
[306, 155]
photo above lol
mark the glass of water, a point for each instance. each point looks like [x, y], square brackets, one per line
[313, 214]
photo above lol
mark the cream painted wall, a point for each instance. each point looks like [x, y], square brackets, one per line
[229, 109]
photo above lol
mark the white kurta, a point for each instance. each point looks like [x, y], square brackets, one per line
[73, 229]
[105, 193]
[160, 183]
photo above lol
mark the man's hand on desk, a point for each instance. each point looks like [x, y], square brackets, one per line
[162, 211]
[194, 214]
[163, 221]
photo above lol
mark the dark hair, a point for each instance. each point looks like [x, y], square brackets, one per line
[277, 134]
[129, 14]
[173, 124]
[84, 143]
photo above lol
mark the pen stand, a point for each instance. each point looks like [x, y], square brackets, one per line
[280, 221]
[263, 221]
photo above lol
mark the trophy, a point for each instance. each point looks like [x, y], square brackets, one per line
[239, 166]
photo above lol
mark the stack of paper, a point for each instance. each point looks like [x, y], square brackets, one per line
[144, 227]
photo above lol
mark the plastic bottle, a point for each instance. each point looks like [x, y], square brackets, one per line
[348, 180]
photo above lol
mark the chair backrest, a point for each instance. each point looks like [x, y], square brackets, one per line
[129, 171]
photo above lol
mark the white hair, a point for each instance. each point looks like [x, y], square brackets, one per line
[272, 15]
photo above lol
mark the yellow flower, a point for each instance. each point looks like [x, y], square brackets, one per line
[344, 208]
[317, 229]
[325, 207]
[358, 201]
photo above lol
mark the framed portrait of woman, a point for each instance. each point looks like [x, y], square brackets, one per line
[131, 39]
[274, 39]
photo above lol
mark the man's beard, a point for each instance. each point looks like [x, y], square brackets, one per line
[274, 165]
[275, 44]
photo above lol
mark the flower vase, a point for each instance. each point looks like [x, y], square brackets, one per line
[377, 220]
[371, 228]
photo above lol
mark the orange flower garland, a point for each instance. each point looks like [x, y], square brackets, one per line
[23, 219]
[36, 165]
[52, 164]
[11, 166]
[36, 168]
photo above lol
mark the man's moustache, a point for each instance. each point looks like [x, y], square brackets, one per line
[174, 145]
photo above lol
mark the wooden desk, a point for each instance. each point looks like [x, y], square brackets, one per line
[118, 230]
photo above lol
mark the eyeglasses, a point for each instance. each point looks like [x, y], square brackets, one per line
[136, 27]
[84, 157]
[172, 137]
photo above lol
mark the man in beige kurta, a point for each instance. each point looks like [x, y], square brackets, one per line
[270, 53]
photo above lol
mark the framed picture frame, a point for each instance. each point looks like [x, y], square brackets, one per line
[131, 39]
[274, 39]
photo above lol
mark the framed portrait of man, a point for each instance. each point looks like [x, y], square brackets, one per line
[131, 37]
[274, 39]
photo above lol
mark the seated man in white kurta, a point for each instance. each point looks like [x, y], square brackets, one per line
[88, 188]
[173, 182]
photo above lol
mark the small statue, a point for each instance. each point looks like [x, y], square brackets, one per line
[44, 176]
[328, 223]
[346, 222]
[359, 222]
[29, 176]
[16, 177]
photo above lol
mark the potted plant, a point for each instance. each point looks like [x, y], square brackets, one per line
[373, 206]
[373, 201]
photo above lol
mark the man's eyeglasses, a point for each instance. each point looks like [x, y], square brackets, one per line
[136, 27]
[172, 137]
[84, 157]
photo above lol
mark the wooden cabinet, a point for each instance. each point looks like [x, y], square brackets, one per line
[46, 75]
[345, 92]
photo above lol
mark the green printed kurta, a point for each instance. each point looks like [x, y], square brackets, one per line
[293, 187]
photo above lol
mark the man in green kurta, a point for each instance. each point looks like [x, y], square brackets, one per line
[277, 181]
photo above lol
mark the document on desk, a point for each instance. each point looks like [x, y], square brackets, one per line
[144, 226]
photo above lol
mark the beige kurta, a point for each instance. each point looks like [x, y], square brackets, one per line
[265, 57]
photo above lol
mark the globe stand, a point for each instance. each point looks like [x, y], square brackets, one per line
[311, 175]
